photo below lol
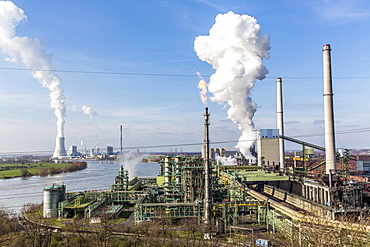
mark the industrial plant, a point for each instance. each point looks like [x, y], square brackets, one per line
[278, 191]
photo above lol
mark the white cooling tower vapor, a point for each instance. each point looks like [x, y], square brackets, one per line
[59, 148]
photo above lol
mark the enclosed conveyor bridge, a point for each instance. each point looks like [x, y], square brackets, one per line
[306, 144]
[302, 142]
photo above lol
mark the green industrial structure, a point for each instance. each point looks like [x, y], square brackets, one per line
[241, 195]
[177, 192]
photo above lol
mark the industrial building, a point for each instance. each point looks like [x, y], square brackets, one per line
[73, 153]
[275, 192]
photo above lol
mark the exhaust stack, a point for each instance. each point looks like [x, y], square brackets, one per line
[280, 120]
[59, 148]
[328, 111]
[207, 178]
[121, 140]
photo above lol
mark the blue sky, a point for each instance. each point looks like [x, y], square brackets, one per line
[143, 38]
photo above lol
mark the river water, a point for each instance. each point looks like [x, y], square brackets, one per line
[16, 192]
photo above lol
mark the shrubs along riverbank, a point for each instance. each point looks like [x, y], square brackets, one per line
[38, 169]
[75, 166]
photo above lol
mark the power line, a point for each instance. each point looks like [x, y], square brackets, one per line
[182, 145]
[133, 147]
[350, 131]
[170, 75]
[102, 72]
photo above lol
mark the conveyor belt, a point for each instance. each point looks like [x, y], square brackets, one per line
[298, 216]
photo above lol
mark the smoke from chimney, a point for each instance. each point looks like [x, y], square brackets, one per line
[87, 110]
[202, 86]
[235, 47]
[30, 53]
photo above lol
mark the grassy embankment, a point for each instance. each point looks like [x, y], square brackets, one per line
[15, 170]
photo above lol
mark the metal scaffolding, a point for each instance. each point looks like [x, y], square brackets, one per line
[149, 211]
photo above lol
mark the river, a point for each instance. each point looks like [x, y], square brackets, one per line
[16, 192]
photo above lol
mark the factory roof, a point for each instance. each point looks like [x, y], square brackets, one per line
[54, 187]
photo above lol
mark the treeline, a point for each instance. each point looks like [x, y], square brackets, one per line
[19, 166]
[75, 166]
[10, 170]
[79, 233]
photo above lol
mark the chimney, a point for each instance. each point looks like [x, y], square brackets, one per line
[328, 111]
[59, 148]
[280, 120]
[207, 178]
[121, 140]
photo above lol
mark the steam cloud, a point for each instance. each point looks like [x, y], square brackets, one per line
[228, 161]
[130, 161]
[235, 47]
[202, 86]
[85, 110]
[89, 111]
[30, 52]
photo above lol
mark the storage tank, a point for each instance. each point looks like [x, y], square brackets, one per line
[52, 196]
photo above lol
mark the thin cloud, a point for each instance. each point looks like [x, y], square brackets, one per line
[310, 104]
[213, 5]
[28, 110]
[222, 127]
[341, 11]
[291, 122]
[320, 121]
[351, 126]
[165, 133]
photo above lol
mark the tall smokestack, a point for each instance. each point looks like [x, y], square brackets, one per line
[59, 148]
[329, 111]
[121, 140]
[207, 178]
[280, 120]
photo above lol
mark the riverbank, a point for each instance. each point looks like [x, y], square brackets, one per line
[13, 170]
[16, 192]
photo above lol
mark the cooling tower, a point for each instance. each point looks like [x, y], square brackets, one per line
[59, 148]
[329, 111]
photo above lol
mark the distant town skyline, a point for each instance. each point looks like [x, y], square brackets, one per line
[134, 64]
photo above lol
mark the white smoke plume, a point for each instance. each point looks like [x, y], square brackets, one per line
[30, 52]
[227, 161]
[202, 86]
[82, 143]
[130, 162]
[235, 48]
[85, 110]
[89, 111]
